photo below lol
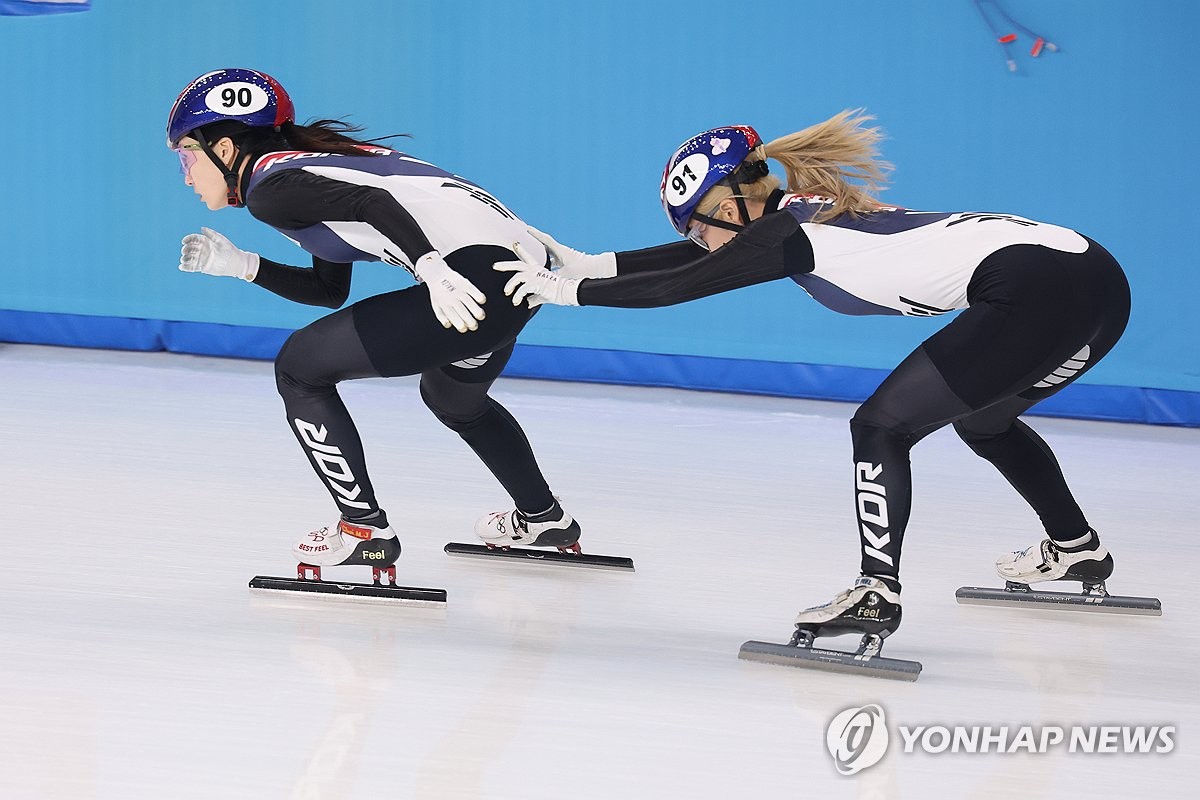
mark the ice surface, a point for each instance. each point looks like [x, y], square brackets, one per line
[142, 491]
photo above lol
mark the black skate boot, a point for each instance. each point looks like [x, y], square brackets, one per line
[868, 609]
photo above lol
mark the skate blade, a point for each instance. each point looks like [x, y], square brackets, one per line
[526, 554]
[353, 592]
[1059, 601]
[830, 661]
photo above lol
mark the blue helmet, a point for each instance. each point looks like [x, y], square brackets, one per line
[701, 163]
[248, 96]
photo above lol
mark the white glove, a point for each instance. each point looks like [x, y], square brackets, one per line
[539, 284]
[572, 263]
[211, 253]
[455, 299]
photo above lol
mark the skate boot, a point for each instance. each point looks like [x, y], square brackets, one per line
[868, 609]
[552, 528]
[371, 544]
[509, 535]
[1089, 563]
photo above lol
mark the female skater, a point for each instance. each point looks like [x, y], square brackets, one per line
[1042, 305]
[344, 200]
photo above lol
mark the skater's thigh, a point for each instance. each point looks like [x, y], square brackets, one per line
[990, 353]
[1033, 310]
[913, 401]
[324, 352]
[986, 355]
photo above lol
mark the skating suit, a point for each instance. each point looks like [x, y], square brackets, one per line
[332, 207]
[890, 261]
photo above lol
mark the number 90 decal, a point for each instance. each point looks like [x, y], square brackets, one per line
[684, 180]
[236, 98]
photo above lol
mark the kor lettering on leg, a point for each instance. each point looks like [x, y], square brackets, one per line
[331, 463]
[871, 498]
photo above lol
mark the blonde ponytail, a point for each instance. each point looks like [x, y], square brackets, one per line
[838, 159]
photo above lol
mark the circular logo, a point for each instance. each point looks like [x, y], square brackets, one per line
[236, 98]
[685, 179]
[857, 738]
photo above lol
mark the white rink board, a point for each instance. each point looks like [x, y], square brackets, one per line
[143, 491]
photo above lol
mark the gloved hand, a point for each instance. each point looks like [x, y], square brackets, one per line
[532, 280]
[572, 263]
[455, 299]
[211, 253]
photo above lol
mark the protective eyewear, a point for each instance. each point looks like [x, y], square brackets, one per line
[188, 153]
[696, 234]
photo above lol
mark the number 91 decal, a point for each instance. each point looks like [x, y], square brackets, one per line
[236, 98]
[685, 179]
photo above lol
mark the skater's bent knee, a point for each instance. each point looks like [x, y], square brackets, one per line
[977, 438]
[867, 423]
[457, 405]
[294, 371]
[455, 416]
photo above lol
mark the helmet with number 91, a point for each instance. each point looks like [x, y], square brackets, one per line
[244, 95]
[701, 163]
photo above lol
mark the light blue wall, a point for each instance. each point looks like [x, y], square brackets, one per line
[567, 112]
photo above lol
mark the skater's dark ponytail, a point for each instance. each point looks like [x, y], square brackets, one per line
[319, 136]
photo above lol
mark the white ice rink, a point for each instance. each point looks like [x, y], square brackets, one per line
[143, 491]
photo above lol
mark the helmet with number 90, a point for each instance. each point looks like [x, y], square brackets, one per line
[701, 163]
[245, 95]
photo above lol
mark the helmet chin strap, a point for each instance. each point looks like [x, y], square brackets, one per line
[749, 172]
[230, 173]
[719, 223]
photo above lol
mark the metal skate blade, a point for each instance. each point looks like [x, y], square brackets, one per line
[830, 661]
[528, 555]
[353, 592]
[1059, 601]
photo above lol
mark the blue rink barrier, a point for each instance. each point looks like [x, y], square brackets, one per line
[812, 381]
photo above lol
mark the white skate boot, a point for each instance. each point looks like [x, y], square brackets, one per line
[351, 543]
[554, 528]
[348, 543]
[1089, 563]
[509, 535]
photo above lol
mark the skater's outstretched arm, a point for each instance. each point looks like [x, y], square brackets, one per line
[658, 258]
[770, 248]
[571, 263]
